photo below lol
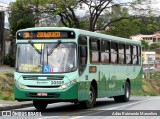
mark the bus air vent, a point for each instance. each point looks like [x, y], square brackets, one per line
[42, 77]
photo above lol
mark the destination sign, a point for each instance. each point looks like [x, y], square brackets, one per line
[45, 35]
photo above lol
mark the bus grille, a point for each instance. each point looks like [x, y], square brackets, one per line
[29, 77]
[32, 86]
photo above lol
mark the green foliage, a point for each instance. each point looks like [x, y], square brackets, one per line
[149, 88]
[6, 85]
[122, 24]
[9, 60]
[155, 75]
[6, 96]
[124, 28]
[154, 46]
[21, 16]
[145, 45]
[149, 25]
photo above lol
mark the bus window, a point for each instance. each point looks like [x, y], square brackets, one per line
[121, 54]
[128, 54]
[114, 53]
[135, 55]
[105, 51]
[82, 54]
[94, 50]
[139, 55]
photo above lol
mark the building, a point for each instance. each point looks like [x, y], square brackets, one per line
[149, 57]
[148, 38]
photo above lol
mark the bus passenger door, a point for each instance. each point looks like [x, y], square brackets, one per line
[83, 87]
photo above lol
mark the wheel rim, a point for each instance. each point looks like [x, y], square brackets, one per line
[90, 97]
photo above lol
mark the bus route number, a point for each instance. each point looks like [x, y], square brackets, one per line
[48, 34]
[57, 82]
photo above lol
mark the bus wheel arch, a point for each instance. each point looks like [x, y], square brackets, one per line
[92, 93]
[127, 91]
[94, 84]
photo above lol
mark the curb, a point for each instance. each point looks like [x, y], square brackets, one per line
[15, 106]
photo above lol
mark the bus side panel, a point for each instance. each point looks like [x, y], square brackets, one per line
[95, 76]
[136, 83]
[83, 85]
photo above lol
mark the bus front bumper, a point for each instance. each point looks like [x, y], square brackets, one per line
[68, 94]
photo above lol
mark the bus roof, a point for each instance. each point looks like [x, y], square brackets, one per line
[87, 33]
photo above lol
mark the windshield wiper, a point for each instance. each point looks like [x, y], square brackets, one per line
[38, 51]
[53, 48]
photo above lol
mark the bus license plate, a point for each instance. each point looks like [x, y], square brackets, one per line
[42, 94]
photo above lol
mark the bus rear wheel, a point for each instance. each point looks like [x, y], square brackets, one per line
[39, 105]
[92, 99]
[126, 96]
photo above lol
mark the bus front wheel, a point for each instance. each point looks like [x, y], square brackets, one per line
[39, 105]
[126, 96]
[92, 99]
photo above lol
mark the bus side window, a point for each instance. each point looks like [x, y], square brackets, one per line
[121, 53]
[94, 50]
[128, 54]
[114, 52]
[105, 51]
[135, 55]
[139, 55]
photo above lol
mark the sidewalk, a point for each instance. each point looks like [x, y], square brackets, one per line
[9, 105]
[6, 68]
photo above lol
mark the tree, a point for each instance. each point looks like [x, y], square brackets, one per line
[154, 46]
[20, 16]
[125, 27]
[65, 9]
[149, 25]
[145, 45]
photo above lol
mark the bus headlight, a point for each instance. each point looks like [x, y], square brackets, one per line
[67, 85]
[20, 85]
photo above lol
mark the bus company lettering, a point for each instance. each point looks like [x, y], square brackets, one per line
[42, 82]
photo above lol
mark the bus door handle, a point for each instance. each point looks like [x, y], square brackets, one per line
[86, 77]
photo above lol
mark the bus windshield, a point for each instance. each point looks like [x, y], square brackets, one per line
[46, 57]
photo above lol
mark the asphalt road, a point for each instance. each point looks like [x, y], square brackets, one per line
[148, 107]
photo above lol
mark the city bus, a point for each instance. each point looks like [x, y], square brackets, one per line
[60, 64]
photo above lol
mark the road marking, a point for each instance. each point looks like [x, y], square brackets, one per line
[77, 117]
[129, 104]
[98, 109]
[116, 107]
[49, 117]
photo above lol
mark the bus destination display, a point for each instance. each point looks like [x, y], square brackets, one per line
[45, 35]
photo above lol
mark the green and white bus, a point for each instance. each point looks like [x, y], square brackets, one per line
[59, 64]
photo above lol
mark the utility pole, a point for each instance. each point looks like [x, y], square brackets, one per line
[1, 36]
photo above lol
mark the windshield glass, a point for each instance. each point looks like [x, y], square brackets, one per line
[46, 57]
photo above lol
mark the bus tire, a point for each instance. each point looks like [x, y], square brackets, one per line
[126, 96]
[92, 99]
[39, 105]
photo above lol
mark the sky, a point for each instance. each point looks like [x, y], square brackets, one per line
[7, 1]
